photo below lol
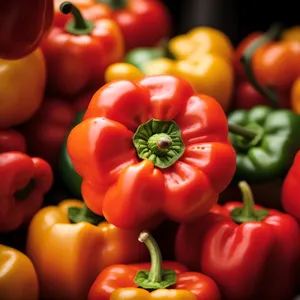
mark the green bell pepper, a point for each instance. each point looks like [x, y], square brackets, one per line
[139, 56]
[266, 141]
[68, 175]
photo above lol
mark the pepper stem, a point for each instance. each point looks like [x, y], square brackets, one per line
[77, 26]
[246, 59]
[84, 214]
[247, 213]
[242, 131]
[155, 274]
[157, 277]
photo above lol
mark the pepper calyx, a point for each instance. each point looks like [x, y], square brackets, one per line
[160, 142]
[84, 214]
[247, 136]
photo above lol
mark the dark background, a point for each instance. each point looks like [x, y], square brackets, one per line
[236, 18]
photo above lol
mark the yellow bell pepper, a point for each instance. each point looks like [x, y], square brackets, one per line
[203, 56]
[210, 75]
[295, 96]
[18, 279]
[69, 256]
[159, 66]
[119, 71]
[201, 40]
[140, 294]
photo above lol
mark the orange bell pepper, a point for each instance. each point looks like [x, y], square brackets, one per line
[295, 96]
[18, 279]
[138, 139]
[291, 34]
[21, 89]
[78, 54]
[68, 251]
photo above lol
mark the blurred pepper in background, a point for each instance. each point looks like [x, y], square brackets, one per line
[23, 24]
[18, 279]
[22, 85]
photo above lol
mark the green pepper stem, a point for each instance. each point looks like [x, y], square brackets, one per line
[242, 131]
[79, 25]
[155, 274]
[246, 59]
[248, 207]
[247, 213]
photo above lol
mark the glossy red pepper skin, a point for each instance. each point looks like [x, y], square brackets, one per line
[290, 189]
[143, 23]
[12, 140]
[254, 260]
[77, 62]
[17, 170]
[120, 276]
[102, 152]
[23, 24]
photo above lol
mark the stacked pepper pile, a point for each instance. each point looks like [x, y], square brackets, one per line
[121, 145]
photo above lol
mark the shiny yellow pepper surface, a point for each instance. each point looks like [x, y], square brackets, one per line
[18, 279]
[68, 255]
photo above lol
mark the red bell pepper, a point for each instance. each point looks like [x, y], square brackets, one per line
[251, 254]
[129, 281]
[23, 24]
[12, 140]
[143, 23]
[46, 131]
[78, 54]
[89, 9]
[24, 181]
[290, 189]
[151, 149]
[246, 97]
